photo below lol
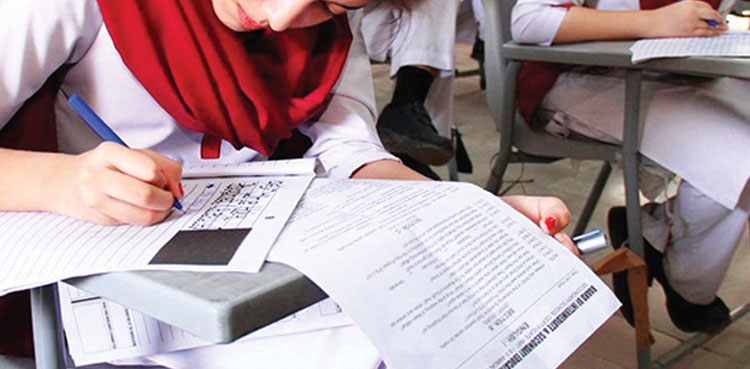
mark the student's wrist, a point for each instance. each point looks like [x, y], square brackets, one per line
[647, 24]
[59, 173]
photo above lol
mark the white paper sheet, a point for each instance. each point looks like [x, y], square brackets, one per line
[728, 44]
[444, 275]
[98, 330]
[39, 248]
[253, 168]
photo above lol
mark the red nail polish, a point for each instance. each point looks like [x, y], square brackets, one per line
[182, 191]
[550, 223]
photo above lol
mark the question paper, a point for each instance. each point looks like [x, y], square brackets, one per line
[98, 330]
[444, 275]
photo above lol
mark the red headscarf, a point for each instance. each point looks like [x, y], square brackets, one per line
[250, 89]
[537, 78]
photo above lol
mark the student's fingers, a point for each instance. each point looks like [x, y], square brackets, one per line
[133, 191]
[549, 212]
[554, 215]
[121, 212]
[565, 240]
[131, 162]
[703, 32]
[172, 171]
[712, 15]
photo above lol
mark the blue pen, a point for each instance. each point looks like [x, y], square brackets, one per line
[101, 128]
[710, 22]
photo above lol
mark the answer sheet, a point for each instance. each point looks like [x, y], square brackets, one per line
[228, 224]
[444, 275]
[98, 330]
[728, 44]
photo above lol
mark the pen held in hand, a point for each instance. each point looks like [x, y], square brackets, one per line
[590, 241]
[101, 128]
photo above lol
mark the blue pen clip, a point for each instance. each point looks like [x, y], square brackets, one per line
[101, 128]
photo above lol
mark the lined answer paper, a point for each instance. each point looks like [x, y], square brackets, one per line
[38, 248]
[728, 44]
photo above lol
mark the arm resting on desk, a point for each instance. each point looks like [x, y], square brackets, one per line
[687, 18]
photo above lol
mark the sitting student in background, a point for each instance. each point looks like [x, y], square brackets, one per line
[419, 45]
[240, 79]
[470, 30]
[692, 127]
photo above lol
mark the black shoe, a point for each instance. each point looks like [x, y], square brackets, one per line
[685, 315]
[418, 167]
[407, 129]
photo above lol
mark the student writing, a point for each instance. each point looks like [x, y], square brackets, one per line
[184, 83]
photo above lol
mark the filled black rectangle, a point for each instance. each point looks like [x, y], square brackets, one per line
[202, 247]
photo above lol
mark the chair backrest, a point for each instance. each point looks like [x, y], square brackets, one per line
[497, 32]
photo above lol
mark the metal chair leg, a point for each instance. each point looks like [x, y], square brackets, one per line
[631, 141]
[594, 195]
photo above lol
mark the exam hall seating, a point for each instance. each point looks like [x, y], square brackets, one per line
[521, 143]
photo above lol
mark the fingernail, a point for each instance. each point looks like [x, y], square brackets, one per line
[182, 191]
[550, 223]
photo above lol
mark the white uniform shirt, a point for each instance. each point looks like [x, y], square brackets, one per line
[39, 37]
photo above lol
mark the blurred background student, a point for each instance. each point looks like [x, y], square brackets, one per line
[696, 128]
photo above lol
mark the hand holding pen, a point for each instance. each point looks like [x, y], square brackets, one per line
[115, 184]
[687, 18]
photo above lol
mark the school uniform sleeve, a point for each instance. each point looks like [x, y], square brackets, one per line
[37, 38]
[344, 138]
[537, 21]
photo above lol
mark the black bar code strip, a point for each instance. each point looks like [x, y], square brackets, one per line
[537, 340]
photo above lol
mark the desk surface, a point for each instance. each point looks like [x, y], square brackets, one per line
[219, 307]
[617, 54]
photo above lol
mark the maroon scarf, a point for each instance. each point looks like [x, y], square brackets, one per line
[250, 89]
[536, 79]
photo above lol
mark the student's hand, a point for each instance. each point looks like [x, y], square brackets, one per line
[550, 213]
[685, 19]
[112, 184]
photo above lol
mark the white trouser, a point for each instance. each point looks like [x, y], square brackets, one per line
[470, 21]
[698, 237]
[423, 36]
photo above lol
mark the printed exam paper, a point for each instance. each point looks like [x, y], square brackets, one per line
[444, 275]
[98, 330]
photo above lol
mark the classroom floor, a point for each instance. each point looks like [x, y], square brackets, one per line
[613, 346]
